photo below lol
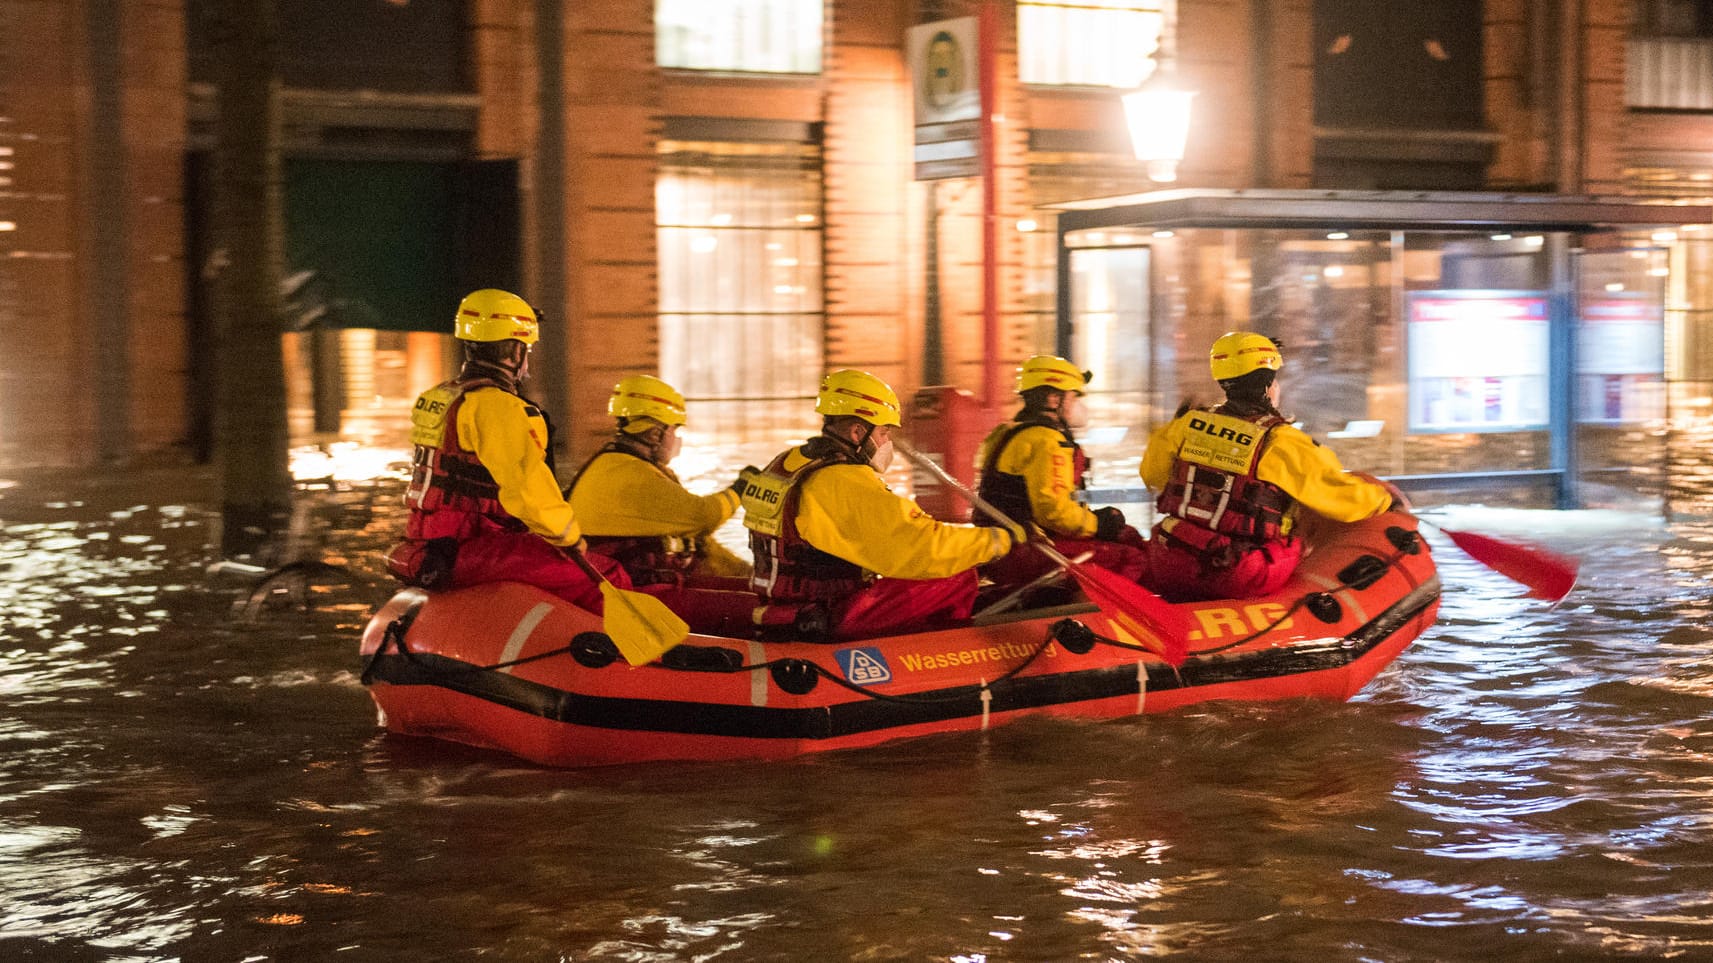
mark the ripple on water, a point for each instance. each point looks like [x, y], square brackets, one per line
[1524, 783]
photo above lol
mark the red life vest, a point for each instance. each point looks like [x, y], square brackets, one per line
[649, 559]
[787, 567]
[451, 494]
[1010, 493]
[1214, 508]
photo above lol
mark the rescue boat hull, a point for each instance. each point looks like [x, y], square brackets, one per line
[509, 667]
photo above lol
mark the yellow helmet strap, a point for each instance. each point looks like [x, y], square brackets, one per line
[837, 427]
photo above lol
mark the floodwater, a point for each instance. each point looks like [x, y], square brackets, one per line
[192, 771]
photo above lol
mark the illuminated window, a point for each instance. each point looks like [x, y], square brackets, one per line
[1089, 43]
[760, 36]
[741, 316]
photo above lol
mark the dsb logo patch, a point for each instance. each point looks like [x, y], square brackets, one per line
[865, 666]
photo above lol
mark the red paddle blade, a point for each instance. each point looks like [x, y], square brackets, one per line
[1548, 576]
[1150, 620]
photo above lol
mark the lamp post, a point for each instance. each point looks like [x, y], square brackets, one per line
[1158, 115]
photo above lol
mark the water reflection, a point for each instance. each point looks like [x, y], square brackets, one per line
[185, 782]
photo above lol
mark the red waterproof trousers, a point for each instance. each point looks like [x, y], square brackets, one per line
[710, 604]
[890, 605]
[1125, 557]
[525, 557]
[1178, 575]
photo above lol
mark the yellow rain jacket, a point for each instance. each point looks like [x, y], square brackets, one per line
[625, 496]
[619, 495]
[1308, 472]
[1047, 462]
[509, 436]
[847, 511]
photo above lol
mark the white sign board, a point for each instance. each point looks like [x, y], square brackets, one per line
[1478, 360]
[945, 75]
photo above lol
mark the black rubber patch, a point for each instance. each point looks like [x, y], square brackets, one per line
[702, 658]
[1077, 638]
[593, 650]
[1363, 572]
[1324, 607]
[795, 676]
[1404, 540]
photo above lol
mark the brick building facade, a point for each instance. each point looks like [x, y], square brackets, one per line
[102, 359]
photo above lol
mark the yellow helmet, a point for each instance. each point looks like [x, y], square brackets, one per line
[1051, 371]
[494, 315]
[1237, 353]
[645, 396]
[852, 392]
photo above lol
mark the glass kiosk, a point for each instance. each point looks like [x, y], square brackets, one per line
[1511, 345]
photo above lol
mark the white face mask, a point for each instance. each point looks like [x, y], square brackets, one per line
[1075, 412]
[882, 457]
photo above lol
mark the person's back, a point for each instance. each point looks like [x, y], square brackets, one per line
[1032, 466]
[485, 505]
[632, 505]
[1232, 480]
[634, 510]
[827, 531]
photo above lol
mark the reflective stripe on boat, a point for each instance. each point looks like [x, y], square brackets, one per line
[520, 635]
[757, 680]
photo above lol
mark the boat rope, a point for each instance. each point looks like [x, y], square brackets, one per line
[393, 638]
[817, 670]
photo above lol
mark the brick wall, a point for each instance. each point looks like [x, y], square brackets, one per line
[63, 338]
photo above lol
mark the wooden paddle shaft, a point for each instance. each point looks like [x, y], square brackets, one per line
[571, 552]
[987, 508]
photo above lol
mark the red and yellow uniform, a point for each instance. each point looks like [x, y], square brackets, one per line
[1230, 491]
[484, 503]
[1031, 468]
[823, 525]
[637, 513]
[632, 508]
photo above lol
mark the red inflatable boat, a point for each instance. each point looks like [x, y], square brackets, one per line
[509, 667]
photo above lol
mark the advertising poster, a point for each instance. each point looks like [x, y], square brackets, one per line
[1620, 359]
[1478, 360]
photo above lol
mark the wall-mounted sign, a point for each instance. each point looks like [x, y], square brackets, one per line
[1478, 360]
[945, 76]
[1620, 359]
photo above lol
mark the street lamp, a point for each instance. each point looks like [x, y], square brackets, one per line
[1158, 115]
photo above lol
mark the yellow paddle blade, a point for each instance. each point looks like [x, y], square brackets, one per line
[640, 625]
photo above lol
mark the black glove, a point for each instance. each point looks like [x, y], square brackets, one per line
[1184, 408]
[748, 470]
[1109, 522]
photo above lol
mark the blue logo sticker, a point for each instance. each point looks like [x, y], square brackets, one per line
[864, 666]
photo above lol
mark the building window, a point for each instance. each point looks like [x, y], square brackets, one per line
[1673, 18]
[741, 316]
[1089, 43]
[1404, 64]
[759, 36]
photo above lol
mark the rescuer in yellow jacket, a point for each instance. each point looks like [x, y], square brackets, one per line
[1031, 466]
[484, 503]
[823, 524]
[1233, 478]
[635, 510]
